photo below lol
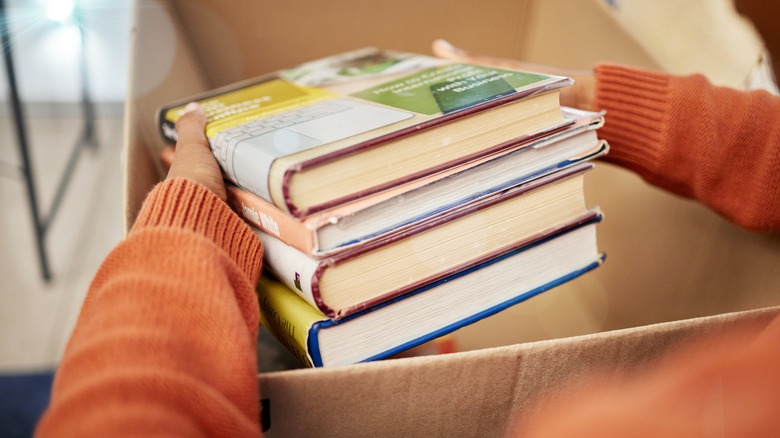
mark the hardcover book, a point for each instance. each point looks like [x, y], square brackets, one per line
[432, 248]
[341, 128]
[430, 311]
[366, 219]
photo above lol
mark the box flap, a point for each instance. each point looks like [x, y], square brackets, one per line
[464, 394]
[163, 68]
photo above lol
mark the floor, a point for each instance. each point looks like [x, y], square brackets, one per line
[36, 317]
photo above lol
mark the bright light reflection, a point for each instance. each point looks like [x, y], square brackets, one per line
[59, 10]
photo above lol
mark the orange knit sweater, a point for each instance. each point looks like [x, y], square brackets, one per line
[717, 145]
[721, 147]
[165, 343]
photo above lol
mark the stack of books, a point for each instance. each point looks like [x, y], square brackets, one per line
[400, 197]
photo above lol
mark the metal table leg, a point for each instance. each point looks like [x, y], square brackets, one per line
[87, 138]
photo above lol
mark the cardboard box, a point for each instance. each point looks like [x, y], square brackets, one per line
[673, 268]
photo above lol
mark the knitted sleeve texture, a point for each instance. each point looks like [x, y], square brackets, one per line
[714, 144]
[165, 341]
[721, 147]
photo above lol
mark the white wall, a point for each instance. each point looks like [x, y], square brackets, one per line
[46, 53]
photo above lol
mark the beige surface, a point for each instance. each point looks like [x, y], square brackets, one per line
[692, 36]
[575, 34]
[465, 394]
[162, 69]
[36, 317]
[259, 37]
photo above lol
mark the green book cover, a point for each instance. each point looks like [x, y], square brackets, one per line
[449, 88]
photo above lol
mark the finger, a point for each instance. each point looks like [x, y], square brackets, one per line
[444, 49]
[193, 159]
[192, 146]
[191, 126]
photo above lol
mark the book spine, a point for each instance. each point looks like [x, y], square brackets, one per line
[269, 218]
[525, 260]
[167, 127]
[294, 268]
[288, 318]
[262, 214]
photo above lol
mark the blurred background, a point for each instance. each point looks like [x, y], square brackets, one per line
[71, 64]
[76, 178]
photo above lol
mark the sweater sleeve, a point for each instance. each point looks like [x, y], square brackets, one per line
[717, 145]
[724, 385]
[165, 341]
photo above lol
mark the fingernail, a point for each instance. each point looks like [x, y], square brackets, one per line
[447, 45]
[192, 106]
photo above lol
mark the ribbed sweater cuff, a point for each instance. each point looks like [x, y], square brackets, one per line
[635, 103]
[183, 204]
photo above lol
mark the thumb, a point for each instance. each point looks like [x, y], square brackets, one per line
[193, 159]
[444, 49]
[191, 126]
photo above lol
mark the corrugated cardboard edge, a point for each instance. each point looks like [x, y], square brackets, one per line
[473, 393]
[182, 76]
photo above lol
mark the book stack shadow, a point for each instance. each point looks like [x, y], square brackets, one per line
[442, 194]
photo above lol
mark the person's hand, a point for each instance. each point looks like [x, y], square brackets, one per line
[580, 95]
[193, 159]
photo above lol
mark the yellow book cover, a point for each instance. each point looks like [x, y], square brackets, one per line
[287, 317]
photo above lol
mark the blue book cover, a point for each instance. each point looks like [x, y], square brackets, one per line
[435, 309]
